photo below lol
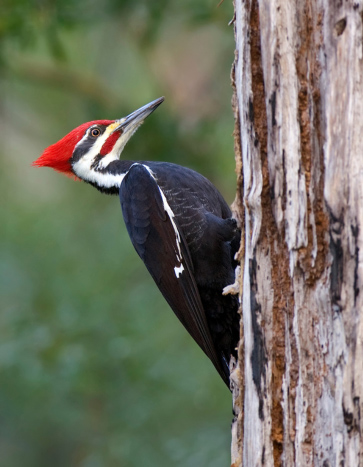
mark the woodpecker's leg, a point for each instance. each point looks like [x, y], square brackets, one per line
[235, 287]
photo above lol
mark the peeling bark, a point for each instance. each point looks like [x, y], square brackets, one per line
[298, 104]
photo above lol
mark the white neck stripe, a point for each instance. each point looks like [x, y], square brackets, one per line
[101, 179]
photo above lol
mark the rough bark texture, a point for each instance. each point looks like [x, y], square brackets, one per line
[298, 77]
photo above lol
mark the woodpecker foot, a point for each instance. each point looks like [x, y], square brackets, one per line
[233, 289]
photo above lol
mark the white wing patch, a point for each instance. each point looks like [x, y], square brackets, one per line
[179, 268]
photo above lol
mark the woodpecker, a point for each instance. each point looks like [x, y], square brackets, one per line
[178, 223]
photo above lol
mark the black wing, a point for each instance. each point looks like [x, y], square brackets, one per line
[159, 242]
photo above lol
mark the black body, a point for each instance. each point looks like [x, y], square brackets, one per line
[178, 222]
[190, 267]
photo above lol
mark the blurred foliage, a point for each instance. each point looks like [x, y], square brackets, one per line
[25, 20]
[95, 369]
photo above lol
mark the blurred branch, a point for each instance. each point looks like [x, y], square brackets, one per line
[72, 81]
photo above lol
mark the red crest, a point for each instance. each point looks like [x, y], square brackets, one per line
[58, 156]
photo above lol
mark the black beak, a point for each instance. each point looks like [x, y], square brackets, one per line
[136, 118]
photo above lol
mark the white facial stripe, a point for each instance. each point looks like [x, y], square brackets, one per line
[98, 142]
[116, 150]
[180, 268]
[83, 167]
[81, 141]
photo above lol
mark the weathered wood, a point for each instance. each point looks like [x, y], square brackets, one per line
[298, 103]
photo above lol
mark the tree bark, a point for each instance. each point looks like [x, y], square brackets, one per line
[298, 384]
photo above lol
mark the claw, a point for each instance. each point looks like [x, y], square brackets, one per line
[233, 289]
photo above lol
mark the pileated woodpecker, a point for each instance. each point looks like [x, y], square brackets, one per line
[178, 222]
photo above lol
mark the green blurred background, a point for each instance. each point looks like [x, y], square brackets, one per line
[95, 370]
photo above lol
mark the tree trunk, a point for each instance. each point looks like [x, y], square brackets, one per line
[298, 77]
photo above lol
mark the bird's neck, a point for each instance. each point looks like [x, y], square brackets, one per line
[107, 179]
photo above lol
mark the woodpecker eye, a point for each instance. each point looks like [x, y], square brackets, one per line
[95, 132]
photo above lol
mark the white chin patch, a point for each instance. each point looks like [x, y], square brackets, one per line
[84, 169]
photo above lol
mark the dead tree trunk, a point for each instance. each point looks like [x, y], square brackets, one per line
[298, 77]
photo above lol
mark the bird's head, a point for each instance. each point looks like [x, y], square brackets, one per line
[88, 150]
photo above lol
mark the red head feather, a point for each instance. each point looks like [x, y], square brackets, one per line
[58, 156]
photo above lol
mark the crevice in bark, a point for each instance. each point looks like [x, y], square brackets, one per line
[238, 213]
[312, 258]
[237, 205]
[280, 279]
[340, 26]
[337, 266]
[258, 357]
